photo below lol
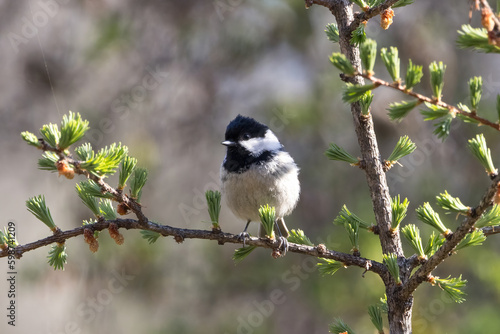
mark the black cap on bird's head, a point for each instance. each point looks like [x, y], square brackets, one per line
[248, 141]
[243, 128]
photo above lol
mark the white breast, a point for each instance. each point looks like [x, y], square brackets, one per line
[275, 183]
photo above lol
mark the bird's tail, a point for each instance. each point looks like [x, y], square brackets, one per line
[283, 230]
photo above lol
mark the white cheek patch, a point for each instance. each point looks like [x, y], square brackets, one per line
[257, 146]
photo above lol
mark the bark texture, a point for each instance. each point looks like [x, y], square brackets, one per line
[399, 305]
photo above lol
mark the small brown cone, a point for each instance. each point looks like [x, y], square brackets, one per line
[122, 209]
[386, 18]
[487, 19]
[115, 234]
[64, 169]
[88, 235]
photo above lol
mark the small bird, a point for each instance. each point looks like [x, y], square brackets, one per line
[258, 171]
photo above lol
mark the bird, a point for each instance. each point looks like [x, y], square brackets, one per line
[257, 171]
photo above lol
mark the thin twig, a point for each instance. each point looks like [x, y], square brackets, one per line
[490, 230]
[486, 5]
[443, 252]
[423, 98]
[118, 195]
[370, 13]
[326, 3]
[180, 234]
[359, 17]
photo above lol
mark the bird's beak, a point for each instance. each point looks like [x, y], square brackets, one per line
[228, 143]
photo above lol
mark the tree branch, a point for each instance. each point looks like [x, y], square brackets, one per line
[374, 166]
[490, 230]
[358, 17]
[423, 98]
[485, 4]
[443, 252]
[370, 13]
[325, 3]
[118, 195]
[181, 234]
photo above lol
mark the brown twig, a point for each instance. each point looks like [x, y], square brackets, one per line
[423, 98]
[399, 298]
[373, 166]
[485, 4]
[118, 195]
[443, 252]
[490, 230]
[325, 3]
[370, 13]
[399, 309]
[180, 234]
[367, 13]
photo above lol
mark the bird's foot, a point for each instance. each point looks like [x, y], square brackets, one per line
[243, 236]
[282, 248]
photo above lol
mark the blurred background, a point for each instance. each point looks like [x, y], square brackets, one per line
[165, 78]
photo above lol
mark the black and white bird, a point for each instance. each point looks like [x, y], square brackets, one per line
[258, 171]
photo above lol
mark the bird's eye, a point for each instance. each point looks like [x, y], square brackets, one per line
[246, 136]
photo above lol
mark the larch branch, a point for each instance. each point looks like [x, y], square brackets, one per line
[439, 103]
[443, 252]
[181, 234]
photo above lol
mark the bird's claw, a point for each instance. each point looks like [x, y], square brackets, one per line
[243, 236]
[282, 246]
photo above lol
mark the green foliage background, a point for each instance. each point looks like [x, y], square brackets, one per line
[212, 60]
